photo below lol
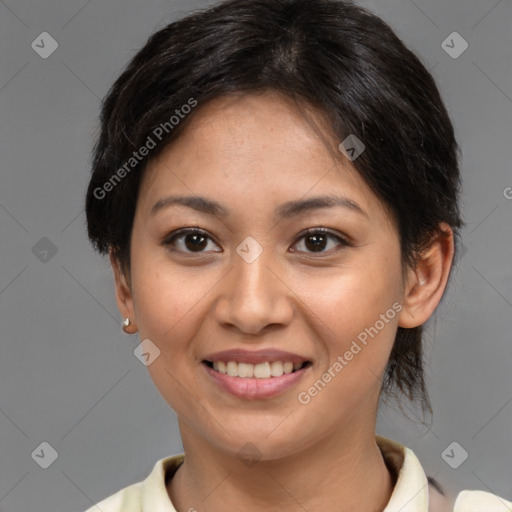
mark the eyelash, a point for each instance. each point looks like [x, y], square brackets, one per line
[169, 241]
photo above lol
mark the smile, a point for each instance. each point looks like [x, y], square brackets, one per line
[255, 381]
[264, 370]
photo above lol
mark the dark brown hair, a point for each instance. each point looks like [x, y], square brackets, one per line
[329, 54]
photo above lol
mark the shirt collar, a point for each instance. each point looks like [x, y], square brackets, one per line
[410, 493]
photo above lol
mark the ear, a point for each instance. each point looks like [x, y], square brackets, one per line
[124, 297]
[426, 282]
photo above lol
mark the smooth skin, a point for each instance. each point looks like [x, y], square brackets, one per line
[251, 154]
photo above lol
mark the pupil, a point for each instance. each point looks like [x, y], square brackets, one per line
[199, 242]
[194, 245]
[319, 244]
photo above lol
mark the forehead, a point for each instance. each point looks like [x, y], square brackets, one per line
[262, 146]
[258, 128]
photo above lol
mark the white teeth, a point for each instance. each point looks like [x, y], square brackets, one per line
[232, 368]
[288, 367]
[245, 370]
[259, 371]
[262, 370]
[276, 368]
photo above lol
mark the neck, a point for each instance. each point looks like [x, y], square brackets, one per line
[345, 472]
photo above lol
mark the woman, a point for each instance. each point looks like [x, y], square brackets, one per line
[276, 183]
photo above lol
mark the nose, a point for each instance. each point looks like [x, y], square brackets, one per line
[253, 297]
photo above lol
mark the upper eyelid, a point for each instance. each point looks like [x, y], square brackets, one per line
[179, 233]
[187, 231]
[308, 232]
[312, 231]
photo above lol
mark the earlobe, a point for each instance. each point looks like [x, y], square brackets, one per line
[426, 283]
[123, 294]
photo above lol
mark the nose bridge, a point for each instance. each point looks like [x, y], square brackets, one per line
[252, 270]
[252, 296]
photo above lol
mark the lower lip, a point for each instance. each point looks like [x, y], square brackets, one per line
[254, 389]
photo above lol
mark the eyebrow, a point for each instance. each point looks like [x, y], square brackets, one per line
[286, 210]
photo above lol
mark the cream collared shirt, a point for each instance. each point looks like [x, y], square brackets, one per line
[410, 494]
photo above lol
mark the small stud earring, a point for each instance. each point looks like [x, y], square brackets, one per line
[128, 326]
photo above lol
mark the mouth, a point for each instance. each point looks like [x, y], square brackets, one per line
[255, 381]
[263, 370]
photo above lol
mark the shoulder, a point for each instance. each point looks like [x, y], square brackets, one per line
[415, 491]
[148, 495]
[124, 500]
[466, 501]
[481, 501]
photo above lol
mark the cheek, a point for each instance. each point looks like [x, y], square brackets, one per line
[167, 297]
[357, 325]
[354, 315]
[170, 305]
[349, 300]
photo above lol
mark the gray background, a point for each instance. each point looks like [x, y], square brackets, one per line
[68, 375]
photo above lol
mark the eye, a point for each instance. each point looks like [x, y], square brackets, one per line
[195, 240]
[317, 240]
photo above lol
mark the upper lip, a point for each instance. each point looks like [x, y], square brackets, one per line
[241, 355]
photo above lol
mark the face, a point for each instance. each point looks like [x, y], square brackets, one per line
[322, 284]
